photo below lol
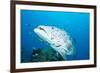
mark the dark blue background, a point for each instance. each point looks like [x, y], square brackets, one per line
[75, 23]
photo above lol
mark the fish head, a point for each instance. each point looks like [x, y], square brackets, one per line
[43, 32]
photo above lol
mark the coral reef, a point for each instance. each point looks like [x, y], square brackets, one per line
[44, 55]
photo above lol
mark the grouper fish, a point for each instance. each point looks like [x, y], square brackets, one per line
[57, 38]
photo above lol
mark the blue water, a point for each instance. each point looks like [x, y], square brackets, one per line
[75, 23]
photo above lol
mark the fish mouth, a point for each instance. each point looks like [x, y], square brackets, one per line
[40, 29]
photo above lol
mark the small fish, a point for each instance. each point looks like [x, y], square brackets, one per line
[28, 25]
